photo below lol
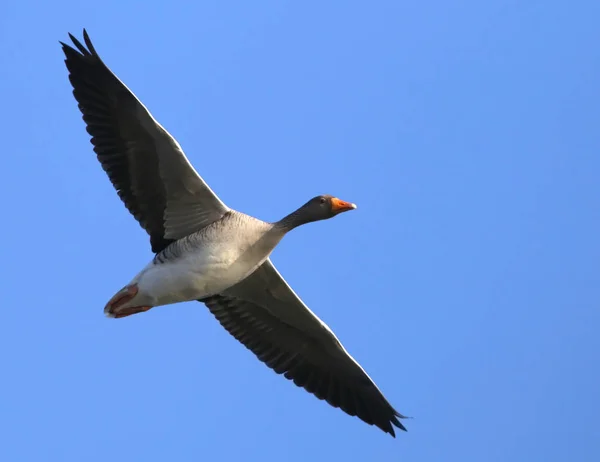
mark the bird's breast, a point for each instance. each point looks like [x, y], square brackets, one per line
[202, 270]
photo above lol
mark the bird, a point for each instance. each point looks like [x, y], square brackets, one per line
[205, 251]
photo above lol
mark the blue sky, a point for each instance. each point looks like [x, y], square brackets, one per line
[466, 283]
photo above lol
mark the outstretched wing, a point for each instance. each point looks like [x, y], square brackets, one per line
[144, 162]
[265, 315]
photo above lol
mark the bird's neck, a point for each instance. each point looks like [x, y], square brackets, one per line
[293, 220]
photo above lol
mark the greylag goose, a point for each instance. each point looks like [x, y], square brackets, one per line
[208, 252]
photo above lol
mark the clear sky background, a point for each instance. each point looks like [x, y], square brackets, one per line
[467, 283]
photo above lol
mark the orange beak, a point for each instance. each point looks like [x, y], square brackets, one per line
[339, 206]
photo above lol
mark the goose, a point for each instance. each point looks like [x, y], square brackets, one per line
[206, 251]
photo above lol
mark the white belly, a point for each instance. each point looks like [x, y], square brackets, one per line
[201, 273]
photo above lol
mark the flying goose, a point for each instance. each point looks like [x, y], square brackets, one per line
[208, 252]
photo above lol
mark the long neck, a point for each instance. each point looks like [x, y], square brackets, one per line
[293, 220]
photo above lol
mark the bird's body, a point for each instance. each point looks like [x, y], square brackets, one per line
[208, 252]
[206, 262]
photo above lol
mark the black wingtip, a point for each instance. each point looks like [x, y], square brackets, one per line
[397, 422]
[87, 50]
[88, 42]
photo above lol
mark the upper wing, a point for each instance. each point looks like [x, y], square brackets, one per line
[144, 162]
[265, 314]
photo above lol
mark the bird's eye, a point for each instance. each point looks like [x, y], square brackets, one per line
[322, 200]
